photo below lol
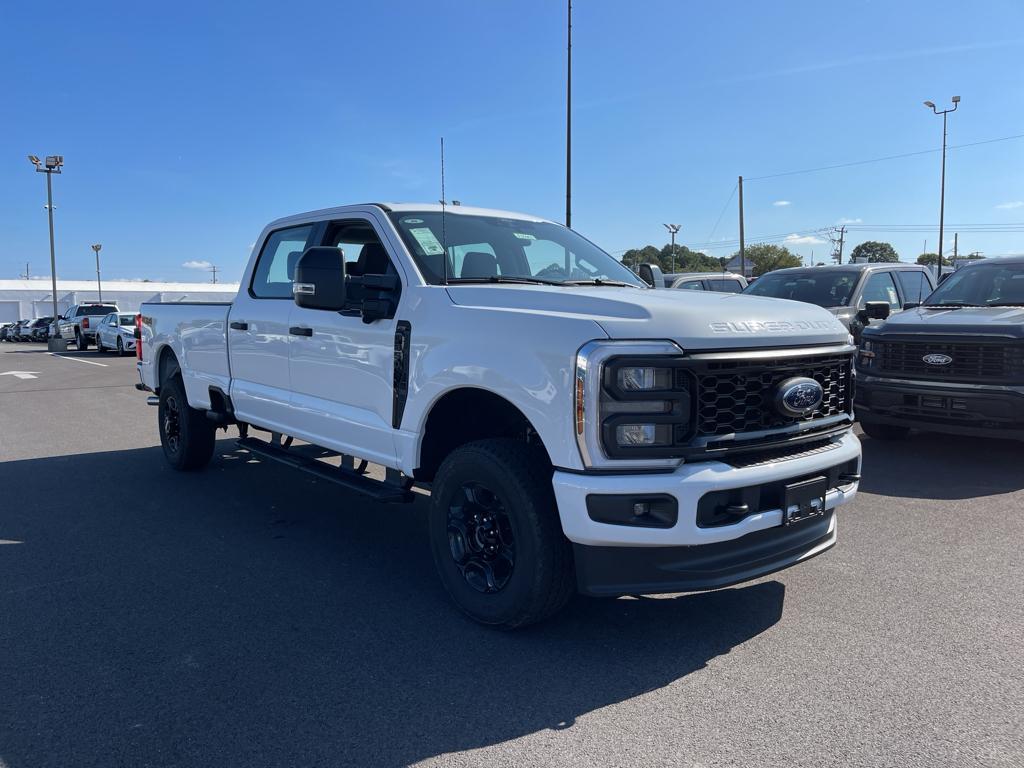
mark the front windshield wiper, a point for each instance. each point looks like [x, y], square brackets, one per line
[950, 305]
[602, 281]
[505, 279]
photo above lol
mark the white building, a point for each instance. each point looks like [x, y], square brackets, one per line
[22, 299]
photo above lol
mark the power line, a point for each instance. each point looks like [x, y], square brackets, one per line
[881, 159]
[722, 213]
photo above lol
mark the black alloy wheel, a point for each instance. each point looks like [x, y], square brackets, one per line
[480, 537]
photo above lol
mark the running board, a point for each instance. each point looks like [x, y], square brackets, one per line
[382, 491]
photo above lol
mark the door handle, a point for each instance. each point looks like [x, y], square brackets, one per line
[298, 330]
[237, 326]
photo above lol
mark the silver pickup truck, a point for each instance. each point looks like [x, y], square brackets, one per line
[79, 321]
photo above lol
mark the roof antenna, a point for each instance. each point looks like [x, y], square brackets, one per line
[444, 238]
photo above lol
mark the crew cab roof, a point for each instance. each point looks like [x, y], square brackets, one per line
[449, 210]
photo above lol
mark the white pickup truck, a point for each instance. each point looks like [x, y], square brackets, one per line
[576, 429]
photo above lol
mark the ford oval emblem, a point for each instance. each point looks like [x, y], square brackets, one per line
[798, 396]
[937, 359]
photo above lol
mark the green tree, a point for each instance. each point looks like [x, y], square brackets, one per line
[765, 258]
[930, 259]
[874, 251]
[646, 255]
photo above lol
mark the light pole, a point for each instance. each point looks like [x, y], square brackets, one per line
[50, 166]
[942, 183]
[672, 229]
[99, 288]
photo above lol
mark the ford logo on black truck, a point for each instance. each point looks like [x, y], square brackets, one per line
[798, 396]
[937, 359]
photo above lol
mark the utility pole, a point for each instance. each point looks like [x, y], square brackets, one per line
[213, 269]
[956, 236]
[842, 238]
[26, 275]
[942, 183]
[568, 121]
[99, 287]
[743, 250]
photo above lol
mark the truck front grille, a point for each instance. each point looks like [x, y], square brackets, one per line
[736, 396]
[970, 361]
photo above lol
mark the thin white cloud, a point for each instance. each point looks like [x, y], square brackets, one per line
[1010, 206]
[845, 220]
[803, 240]
[193, 264]
[781, 203]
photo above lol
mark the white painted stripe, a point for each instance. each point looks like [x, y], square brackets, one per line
[76, 359]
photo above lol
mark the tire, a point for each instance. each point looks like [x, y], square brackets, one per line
[99, 345]
[120, 347]
[877, 431]
[186, 435]
[515, 567]
[81, 343]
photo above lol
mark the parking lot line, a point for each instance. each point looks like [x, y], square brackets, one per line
[77, 360]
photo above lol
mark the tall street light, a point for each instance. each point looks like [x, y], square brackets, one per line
[672, 229]
[50, 166]
[99, 288]
[942, 183]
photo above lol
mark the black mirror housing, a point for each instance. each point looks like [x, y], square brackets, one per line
[877, 310]
[319, 281]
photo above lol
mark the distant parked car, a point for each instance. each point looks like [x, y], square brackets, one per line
[79, 322]
[116, 331]
[5, 328]
[20, 331]
[723, 282]
[845, 289]
[39, 330]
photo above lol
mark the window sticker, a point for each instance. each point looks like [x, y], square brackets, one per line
[524, 236]
[412, 221]
[427, 241]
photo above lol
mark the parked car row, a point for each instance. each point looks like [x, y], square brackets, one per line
[37, 329]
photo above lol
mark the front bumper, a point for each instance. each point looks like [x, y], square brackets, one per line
[961, 409]
[624, 559]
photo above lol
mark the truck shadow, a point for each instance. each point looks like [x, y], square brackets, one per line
[249, 614]
[933, 466]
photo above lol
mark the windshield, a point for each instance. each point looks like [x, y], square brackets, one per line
[126, 319]
[492, 249]
[826, 288]
[985, 285]
[96, 309]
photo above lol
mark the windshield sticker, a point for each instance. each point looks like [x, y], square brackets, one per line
[524, 236]
[412, 221]
[427, 241]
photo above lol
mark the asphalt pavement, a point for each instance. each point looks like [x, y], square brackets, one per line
[249, 615]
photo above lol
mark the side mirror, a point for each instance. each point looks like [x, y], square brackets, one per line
[877, 310]
[652, 275]
[319, 281]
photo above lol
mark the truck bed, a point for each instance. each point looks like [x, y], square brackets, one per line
[196, 331]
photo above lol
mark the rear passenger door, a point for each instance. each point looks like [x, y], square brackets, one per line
[342, 368]
[257, 332]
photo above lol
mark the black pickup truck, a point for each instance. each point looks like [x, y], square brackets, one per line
[953, 364]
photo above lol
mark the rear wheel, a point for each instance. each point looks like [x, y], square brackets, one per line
[496, 537]
[877, 431]
[186, 435]
[81, 343]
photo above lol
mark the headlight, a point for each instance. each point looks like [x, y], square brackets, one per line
[633, 404]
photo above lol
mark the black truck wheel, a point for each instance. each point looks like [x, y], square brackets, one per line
[496, 537]
[186, 435]
[877, 431]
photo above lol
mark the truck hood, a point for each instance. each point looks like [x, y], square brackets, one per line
[991, 321]
[693, 319]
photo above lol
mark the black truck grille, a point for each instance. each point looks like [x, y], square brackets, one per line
[970, 361]
[736, 396]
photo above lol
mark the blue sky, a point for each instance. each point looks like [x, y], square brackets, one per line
[186, 127]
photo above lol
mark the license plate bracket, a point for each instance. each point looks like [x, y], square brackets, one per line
[804, 500]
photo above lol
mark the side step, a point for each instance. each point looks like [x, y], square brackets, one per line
[386, 492]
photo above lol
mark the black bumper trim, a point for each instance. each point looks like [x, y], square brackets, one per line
[614, 571]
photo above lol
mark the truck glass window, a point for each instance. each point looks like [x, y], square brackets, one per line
[692, 285]
[726, 285]
[272, 278]
[980, 285]
[914, 284]
[478, 247]
[831, 288]
[880, 287]
[95, 309]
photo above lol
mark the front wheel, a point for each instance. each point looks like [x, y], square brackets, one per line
[496, 537]
[120, 347]
[99, 345]
[186, 435]
[878, 431]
